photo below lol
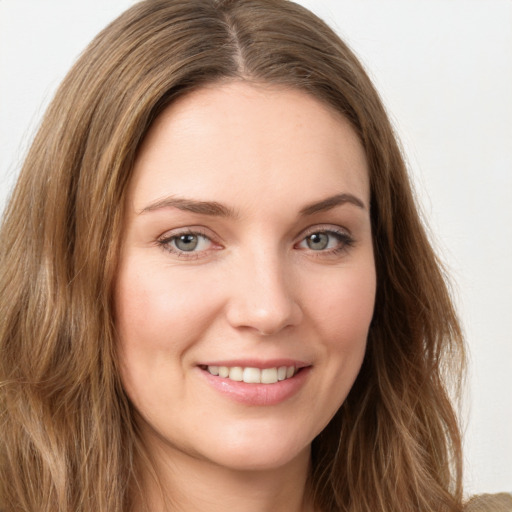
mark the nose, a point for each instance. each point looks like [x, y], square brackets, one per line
[262, 297]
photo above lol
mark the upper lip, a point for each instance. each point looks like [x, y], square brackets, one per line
[257, 363]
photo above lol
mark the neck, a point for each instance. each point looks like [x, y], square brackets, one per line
[185, 484]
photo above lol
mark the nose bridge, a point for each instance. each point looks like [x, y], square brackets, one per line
[262, 296]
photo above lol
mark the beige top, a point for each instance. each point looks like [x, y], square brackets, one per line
[501, 502]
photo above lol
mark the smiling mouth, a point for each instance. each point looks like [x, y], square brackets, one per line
[252, 375]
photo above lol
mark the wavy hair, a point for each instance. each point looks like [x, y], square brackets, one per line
[69, 439]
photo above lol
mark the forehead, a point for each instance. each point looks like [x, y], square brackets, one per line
[237, 138]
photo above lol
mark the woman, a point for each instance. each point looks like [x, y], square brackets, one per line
[216, 291]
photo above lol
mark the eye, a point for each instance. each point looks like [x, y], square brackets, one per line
[327, 241]
[190, 242]
[186, 243]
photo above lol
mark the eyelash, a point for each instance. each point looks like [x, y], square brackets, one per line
[165, 243]
[345, 242]
[344, 239]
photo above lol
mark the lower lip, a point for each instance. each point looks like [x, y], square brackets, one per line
[258, 394]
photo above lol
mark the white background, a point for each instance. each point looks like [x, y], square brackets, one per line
[444, 69]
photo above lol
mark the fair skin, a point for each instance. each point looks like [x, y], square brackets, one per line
[247, 251]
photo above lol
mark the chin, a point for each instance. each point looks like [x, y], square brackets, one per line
[258, 459]
[248, 451]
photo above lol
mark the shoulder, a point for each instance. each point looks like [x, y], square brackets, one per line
[501, 502]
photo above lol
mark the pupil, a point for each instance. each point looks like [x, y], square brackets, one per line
[186, 242]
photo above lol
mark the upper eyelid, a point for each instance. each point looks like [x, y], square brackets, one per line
[339, 231]
[214, 238]
[186, 230]
[324, 228]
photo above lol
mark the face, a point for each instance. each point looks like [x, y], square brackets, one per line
[246, 281]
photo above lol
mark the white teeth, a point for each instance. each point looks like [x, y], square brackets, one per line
[253, 375]
[269, 376]
[214, 370]
[236, 373]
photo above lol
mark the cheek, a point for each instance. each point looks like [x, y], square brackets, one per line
[341, 308]
[159, 315]
[156, 308]
[343, 305]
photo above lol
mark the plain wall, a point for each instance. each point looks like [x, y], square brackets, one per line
[444, 70]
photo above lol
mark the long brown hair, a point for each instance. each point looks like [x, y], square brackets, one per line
[69, 440]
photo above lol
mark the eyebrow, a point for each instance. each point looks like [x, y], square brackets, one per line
[216, 209]
[190, 205]
[332, 202]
